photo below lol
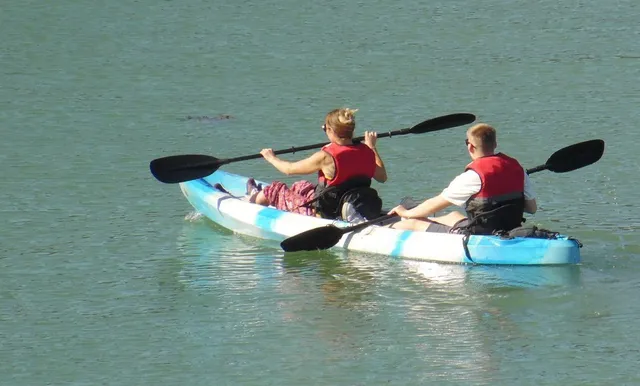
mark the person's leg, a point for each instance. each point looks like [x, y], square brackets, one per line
[350, 214]
[280, 196]
[254, 193]
[252, 186]
[441, 224]
[449, 219]
[300, 193]
[411, 224]
[259, 198]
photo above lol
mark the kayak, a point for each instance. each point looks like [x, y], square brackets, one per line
[229, 211]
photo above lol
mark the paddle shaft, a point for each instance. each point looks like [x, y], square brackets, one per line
[538, 168]
[225, 161]
[307, 147]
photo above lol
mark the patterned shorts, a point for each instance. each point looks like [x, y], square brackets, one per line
[290, 199]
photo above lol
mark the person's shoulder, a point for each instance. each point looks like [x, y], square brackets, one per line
[469, 174]
[468, 177]
[365, 148]
[509, 157]
[321, 153]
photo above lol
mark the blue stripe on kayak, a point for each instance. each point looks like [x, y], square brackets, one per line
[267, 217]
[397, 250]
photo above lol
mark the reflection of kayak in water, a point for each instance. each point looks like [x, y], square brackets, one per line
[214, 257]
[496, 277]
[213, 254]
[347, 307]
[269, 223]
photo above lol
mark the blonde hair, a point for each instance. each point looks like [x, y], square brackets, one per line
[342, 122]
[485, 135]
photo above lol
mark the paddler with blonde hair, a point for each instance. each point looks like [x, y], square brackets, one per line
[344, 169]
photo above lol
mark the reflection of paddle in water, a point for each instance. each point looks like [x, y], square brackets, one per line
[343, 285]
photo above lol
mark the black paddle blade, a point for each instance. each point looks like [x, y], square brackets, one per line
[576, 156]
[313, 239]
[443, 122]
[181, 168]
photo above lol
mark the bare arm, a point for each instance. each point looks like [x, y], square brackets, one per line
[457, 193]
[306, 166]
[380, 174]
[370, 139]
[428, 207]
[530, 206]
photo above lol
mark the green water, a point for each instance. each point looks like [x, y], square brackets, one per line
[107, 277]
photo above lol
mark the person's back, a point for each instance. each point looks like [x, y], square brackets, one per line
[354, 167]
[499, 205]
[350, 161]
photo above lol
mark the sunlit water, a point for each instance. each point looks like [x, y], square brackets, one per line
[108, 277]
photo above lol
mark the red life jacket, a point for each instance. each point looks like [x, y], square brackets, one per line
[350, 161]
[355, 166]
[499, 205]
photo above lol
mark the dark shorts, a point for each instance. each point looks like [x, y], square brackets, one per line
[441, 228]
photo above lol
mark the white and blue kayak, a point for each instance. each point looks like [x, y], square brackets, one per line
[227, 210]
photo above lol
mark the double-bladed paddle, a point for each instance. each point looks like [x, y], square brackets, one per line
[181, 168]
[564, 160]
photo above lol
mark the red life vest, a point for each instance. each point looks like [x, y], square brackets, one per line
[355, 166]
[350, 161]
[501, 193]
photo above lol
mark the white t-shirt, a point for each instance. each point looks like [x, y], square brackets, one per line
[468, 183]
